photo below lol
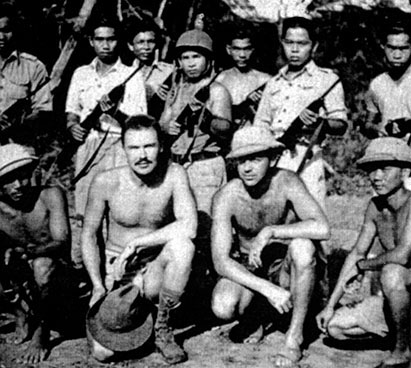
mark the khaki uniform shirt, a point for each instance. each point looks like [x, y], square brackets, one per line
[154, 75]
[179, 96]
[87, 87]
[24, 75]
[285, 98]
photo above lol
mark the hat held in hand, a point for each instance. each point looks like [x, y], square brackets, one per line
[122, 320]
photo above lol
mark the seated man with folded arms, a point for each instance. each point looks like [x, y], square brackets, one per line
[268, 257]
[388, 162]
[152, 220]
[34, 249]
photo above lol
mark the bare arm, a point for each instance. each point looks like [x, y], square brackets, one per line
[349, 269]
[96, 205]
[219, 104]
[221, 242]
[400, 254]
[312, 223]
[59, 228]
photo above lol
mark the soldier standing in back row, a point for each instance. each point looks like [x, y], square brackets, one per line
[288, 95]
[89, 87]
[197, 119]
[143, 41]
[24, 93]
[244, 83]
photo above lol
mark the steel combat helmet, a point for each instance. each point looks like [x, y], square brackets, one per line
[195, 40]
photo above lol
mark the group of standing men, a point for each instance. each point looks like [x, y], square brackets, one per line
[150, 190]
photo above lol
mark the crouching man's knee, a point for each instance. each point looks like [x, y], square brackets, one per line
[180, 250]
[43, 268]
[394, 277]
[302, 252]
[223, 306]
[98, 351]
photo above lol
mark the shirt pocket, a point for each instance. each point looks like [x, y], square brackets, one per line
[17, 90]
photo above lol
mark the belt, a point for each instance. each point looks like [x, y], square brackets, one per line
[205, 155]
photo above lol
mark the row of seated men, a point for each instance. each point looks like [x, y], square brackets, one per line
[201, 109]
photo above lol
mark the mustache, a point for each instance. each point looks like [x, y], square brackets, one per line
[143, 161]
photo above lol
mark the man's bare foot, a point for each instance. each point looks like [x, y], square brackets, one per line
[22, 331]
[288, 356]
[38, 347]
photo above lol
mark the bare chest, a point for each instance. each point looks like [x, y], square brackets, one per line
[22, 226]
[251, 216]
[149, 208]
[390, 227]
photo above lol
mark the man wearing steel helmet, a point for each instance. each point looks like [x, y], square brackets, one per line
[34, 246]
[388, 162]
[269, 257]
[196, 141]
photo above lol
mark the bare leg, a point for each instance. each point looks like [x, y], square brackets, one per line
[37, 350]
[394, 279]
[302, 284]
[22, 327]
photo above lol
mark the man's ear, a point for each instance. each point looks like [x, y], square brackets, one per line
[90, 41]
[130, 47]
[405, 173]
[228, 49]
[315, 47]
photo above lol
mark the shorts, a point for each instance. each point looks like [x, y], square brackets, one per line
[368, 314]
[276, 265]
[136, 265]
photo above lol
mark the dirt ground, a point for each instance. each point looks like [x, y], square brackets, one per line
[211, 348]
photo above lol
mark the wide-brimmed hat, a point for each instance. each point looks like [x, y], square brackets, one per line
[122, 320]
[252, 139]
[14, 156]
[386, 149]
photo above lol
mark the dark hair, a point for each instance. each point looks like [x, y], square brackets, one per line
[300, 22]
[396, 29]
[7, 10]
[140, 122]
[240, 34]
[109, 22]
[133, 28]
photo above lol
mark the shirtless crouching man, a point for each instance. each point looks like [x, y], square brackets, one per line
[34, 248]
[388, 163]
[149, 205]
[256, 205]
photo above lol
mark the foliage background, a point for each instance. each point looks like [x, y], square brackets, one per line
[349, 42]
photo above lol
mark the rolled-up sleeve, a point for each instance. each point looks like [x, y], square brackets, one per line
[263, 117]
[41, 99]
[335, 103]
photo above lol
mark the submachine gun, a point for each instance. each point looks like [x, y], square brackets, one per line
[246, 110]
[297, 127]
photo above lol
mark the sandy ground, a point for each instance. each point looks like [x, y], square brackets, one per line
[212, 348]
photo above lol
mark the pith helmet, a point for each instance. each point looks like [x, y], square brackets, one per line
[386, 149]
[194, 40]
[252, 139]
[14, 156]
